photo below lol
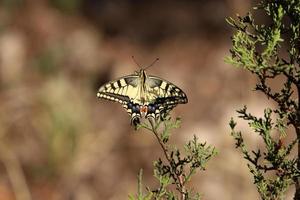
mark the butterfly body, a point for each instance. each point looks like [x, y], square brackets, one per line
[143, 96]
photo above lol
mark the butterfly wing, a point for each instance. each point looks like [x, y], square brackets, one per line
[120, 90]
[161, 96]
[167, 95]
[166, 92]
[123, 90]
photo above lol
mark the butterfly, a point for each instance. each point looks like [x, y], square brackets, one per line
[143, 96]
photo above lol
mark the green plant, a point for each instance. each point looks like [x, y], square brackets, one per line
[178, 167]
[271, 51]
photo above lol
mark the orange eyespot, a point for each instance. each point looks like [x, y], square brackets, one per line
[143, 109]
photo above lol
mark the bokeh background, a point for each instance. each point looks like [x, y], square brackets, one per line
[59, 142]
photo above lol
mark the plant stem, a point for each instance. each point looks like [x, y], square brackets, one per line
[177, 178]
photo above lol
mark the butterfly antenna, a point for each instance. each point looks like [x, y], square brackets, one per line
[157, 59]
[136, 62]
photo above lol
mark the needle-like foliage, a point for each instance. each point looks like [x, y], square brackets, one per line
[177, 168]
[269, 48]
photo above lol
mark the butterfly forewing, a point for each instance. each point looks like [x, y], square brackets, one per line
[120, 90]
[166, 92]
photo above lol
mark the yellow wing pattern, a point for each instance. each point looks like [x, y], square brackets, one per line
[143, 96]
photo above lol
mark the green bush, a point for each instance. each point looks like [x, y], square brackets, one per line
[270, 51]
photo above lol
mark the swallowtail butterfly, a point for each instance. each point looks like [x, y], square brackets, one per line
[142, 95]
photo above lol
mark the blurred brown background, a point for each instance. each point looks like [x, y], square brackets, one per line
[58, 141]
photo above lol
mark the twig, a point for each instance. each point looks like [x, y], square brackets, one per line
[180, 186]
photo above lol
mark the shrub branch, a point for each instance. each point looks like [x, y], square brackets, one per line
[179, 166]
[257, 48]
